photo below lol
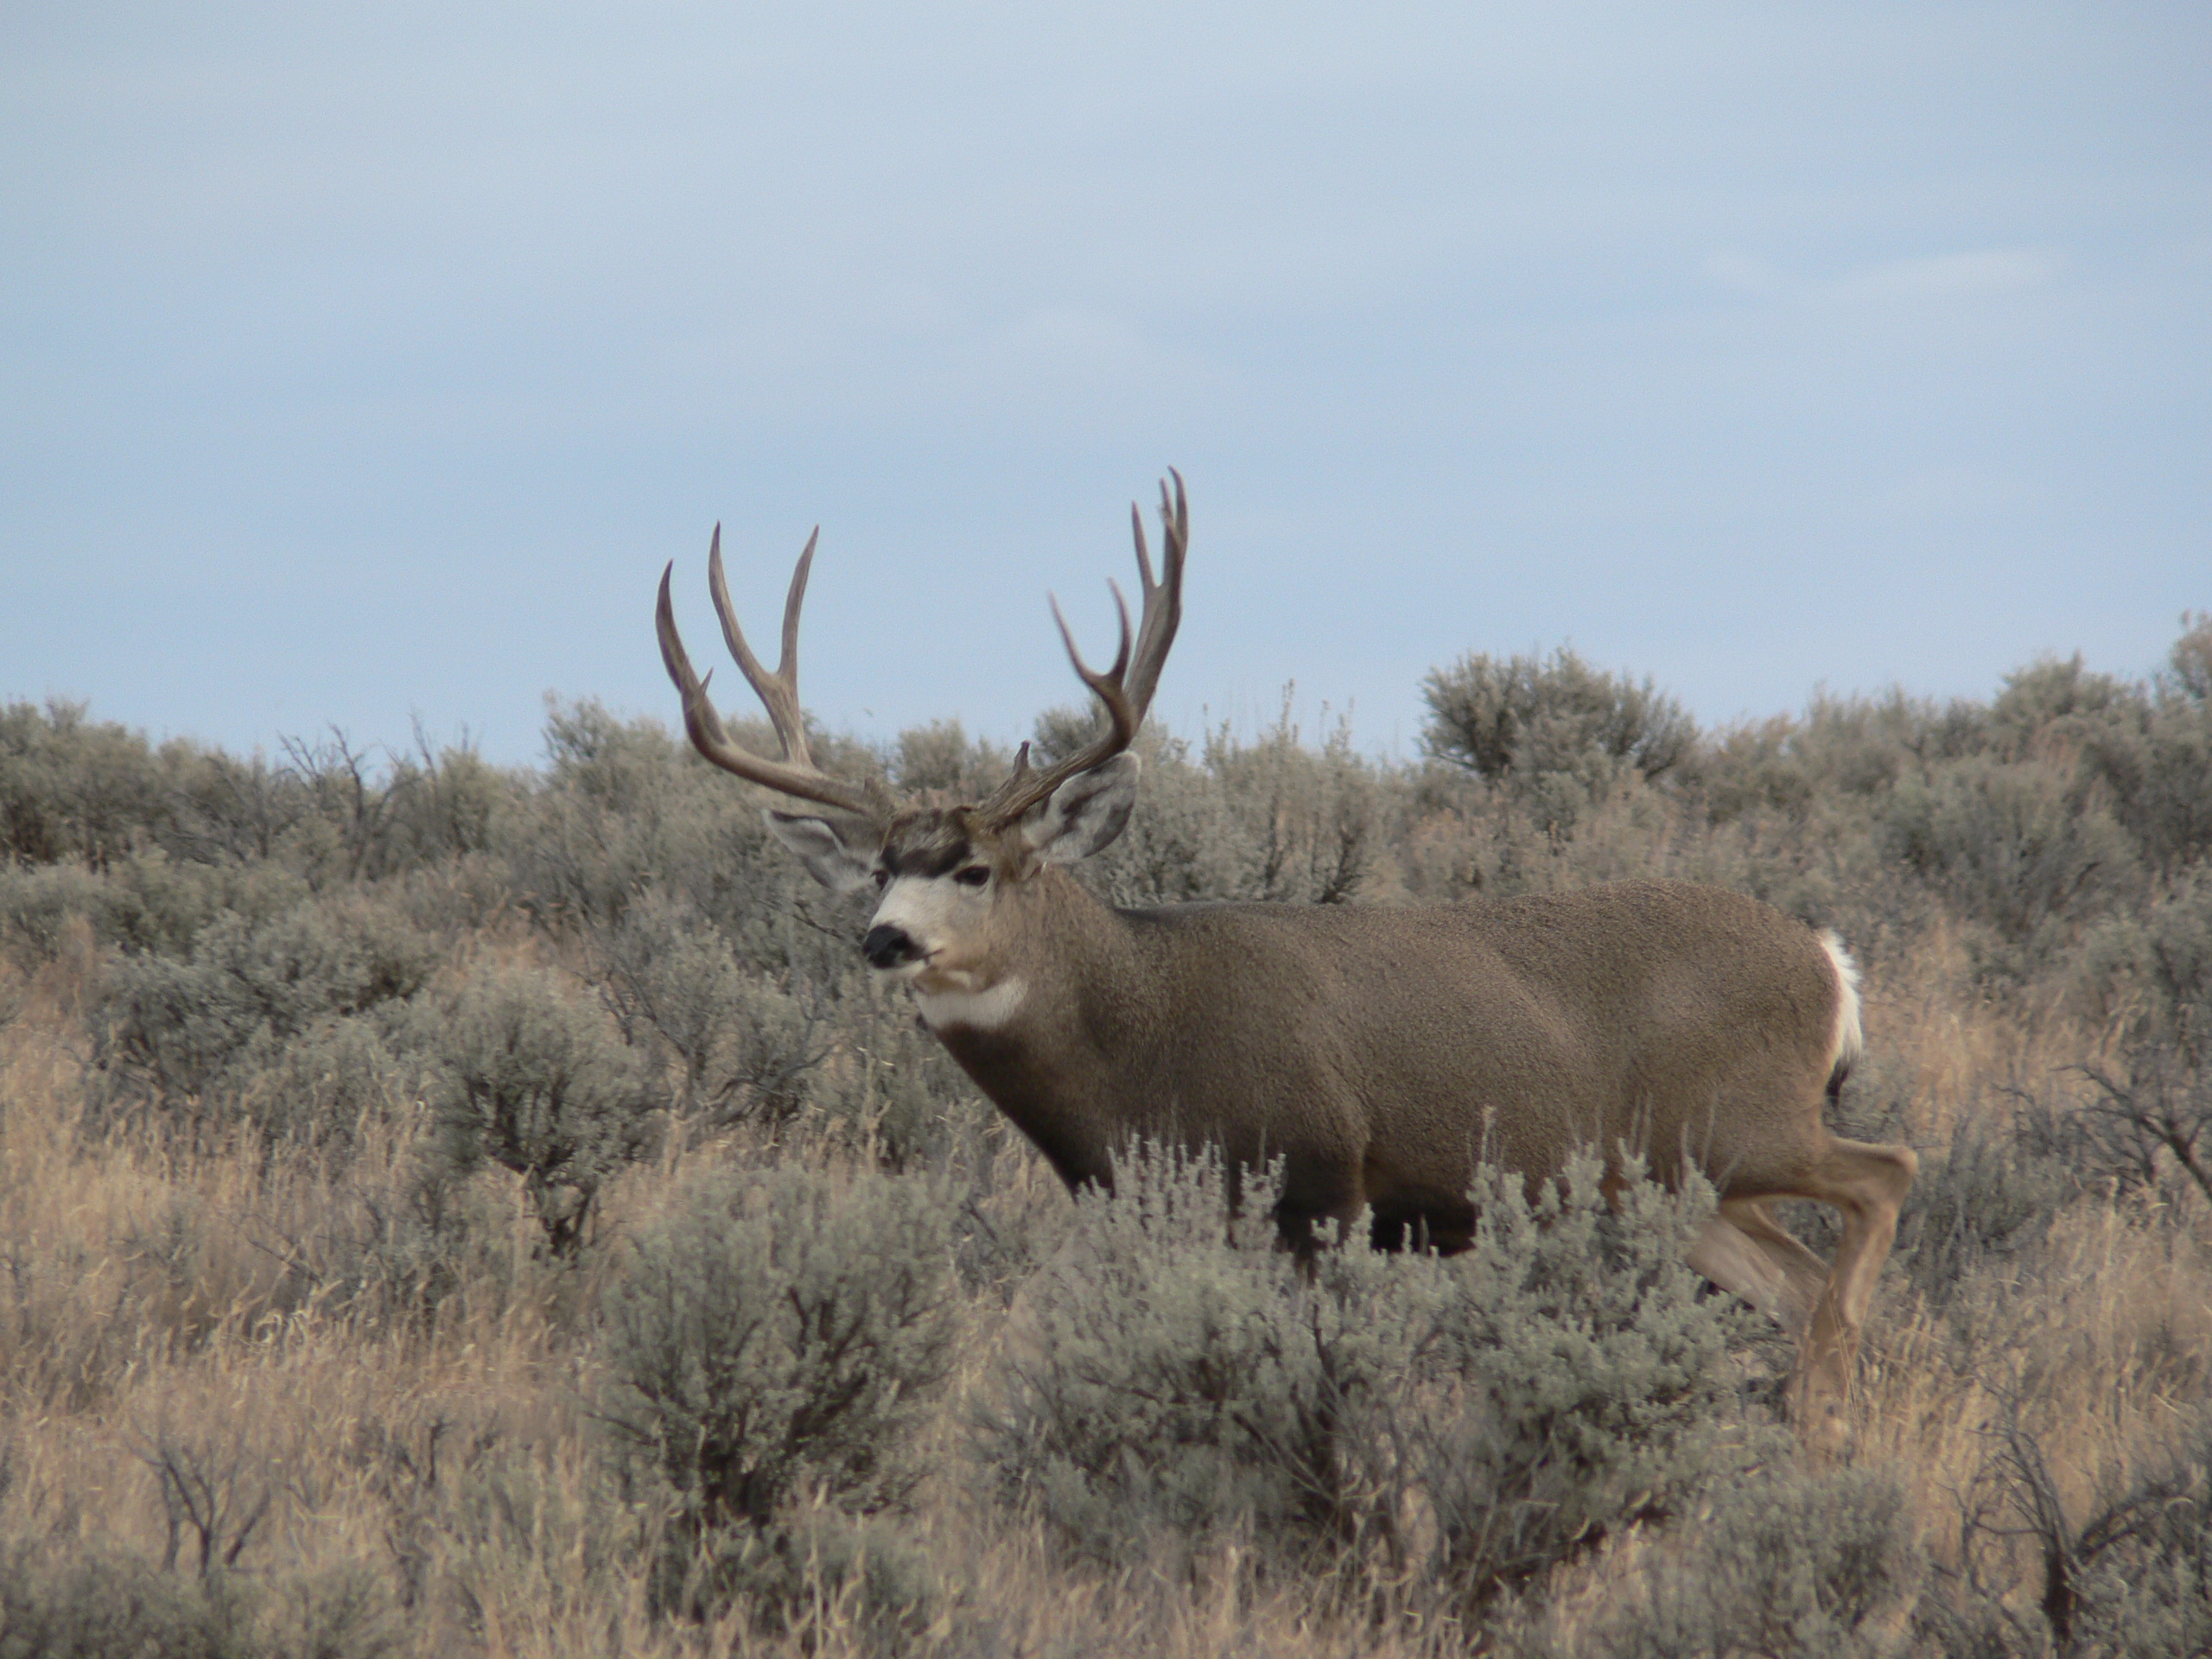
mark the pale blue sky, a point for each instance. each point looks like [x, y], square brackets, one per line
[353, 369]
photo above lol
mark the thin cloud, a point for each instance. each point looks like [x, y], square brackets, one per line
[1947, 276]
[1972, 275]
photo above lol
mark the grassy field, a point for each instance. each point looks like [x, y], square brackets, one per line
[454, 1210]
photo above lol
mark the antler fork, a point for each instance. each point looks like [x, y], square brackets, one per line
[1125, 689]
[796, 773]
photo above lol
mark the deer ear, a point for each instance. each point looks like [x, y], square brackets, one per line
[830, 856]
[1084, 814]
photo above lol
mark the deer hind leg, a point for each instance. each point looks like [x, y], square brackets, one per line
[1743, 1249]
[1807, 1275]
[1867, 1185]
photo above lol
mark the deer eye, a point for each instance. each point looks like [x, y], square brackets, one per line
[974, 876]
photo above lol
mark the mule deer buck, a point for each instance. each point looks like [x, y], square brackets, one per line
[1376, 1051]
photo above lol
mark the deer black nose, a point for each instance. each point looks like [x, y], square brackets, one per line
[887, 947]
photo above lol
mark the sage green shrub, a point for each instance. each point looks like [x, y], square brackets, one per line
[2128, 1572]
[2018, 849]
[1163, 1383]
[1180, 1382]
[37, 902]
[1553, 732]
[2056, 698]
[1528, 715]
[941, 759]
[530, 1077]
[1993, 1192]
[625, 808]
[1591, 1374]
[204, 1038]
[812, 1560]
[1810, 1564]
[2152, 763]
[889, 1084]
[99, 1605]
[743, 1044]
[75, 789]
[66, 1601]
[145, 903]
[2149, 972]
[782, 1332]
[1270, 819]
[771, 1349]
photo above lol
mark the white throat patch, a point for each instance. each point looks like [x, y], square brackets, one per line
[988, 1010]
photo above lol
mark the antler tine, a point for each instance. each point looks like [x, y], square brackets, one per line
[796, 774]
[787, 668]
[778, 692]
[1113, 675]
[1160, 621]
[1126, 689]
[1108, 688]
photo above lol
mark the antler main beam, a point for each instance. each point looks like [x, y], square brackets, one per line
[796, 773]
[1125, 689]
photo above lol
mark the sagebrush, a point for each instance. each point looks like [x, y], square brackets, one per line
[507, 1188]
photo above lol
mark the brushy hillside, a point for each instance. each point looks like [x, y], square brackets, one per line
[451, 1209]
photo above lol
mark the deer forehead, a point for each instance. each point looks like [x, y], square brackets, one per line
[929, 844]
[921, 854]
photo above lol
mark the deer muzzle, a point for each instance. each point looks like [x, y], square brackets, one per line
[889, 947]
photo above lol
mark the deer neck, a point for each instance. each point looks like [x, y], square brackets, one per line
[1049, 1035]
[1060, 960]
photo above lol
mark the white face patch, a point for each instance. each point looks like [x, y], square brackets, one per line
[924, 909]
[940, 915]
[975, 1010]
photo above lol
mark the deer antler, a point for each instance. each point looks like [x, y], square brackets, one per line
[796, 773]
[1125, 690]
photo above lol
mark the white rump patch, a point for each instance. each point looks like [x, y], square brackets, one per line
[977, 1010]
[1848, 1043]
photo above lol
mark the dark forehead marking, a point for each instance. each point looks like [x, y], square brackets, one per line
[929, 842]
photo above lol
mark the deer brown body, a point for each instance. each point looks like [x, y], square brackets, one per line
[1380, 1053]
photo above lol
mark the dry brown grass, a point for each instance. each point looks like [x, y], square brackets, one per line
[160, 1309]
